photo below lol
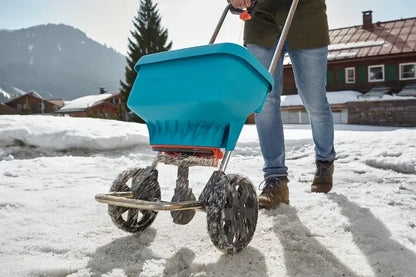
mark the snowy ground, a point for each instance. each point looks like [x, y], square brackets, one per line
[50, 225]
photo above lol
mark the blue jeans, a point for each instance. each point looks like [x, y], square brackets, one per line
[309, 68]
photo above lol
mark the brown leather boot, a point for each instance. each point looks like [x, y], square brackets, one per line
[323, 177]
[275, 191]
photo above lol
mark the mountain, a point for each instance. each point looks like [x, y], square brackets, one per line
[56, 61]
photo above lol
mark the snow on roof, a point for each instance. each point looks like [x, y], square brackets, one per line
[408, 90]
[381, 38]
[84, 102]
[341, 97]
[35, 94]
[331, 56]
[335, 97]
[341, 51]
[342, 55]
[359, 44]
[386, 97]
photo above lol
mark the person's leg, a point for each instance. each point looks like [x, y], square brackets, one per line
[268, 122]
[309, 68]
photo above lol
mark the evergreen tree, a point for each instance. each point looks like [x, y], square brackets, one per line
[147, 38]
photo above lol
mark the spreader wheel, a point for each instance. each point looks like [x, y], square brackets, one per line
[143, 183]
[231, 213]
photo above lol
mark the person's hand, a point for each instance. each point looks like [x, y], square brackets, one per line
[241, 4]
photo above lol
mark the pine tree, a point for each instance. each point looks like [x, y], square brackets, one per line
[147, 38]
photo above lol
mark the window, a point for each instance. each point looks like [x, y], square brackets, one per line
[19, 106]
[407, 71]
[350, 75]
[116, 100]
[376, 73]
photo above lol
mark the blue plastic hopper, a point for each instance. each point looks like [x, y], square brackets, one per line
[199, 96]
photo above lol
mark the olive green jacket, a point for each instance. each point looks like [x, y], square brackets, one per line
[309, 28]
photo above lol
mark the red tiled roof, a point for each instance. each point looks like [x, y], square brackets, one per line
[382, 38]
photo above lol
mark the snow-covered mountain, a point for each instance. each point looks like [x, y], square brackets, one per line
[5, 95]
[57, 61]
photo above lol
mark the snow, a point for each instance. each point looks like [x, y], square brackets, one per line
[34, 93]
[5, 94]
[19, 91]
[342, 55]
[50, 225]
[63, 133]
[84, 102]
[335, 97]
[350, 45]
[341, 97]
[344, 46]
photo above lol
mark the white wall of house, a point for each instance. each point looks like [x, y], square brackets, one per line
[340, 117]
[299, 117]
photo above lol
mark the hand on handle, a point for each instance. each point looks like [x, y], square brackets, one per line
[245, 8]
[241, 4]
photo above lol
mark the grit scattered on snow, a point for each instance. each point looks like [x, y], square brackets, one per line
[50, 225]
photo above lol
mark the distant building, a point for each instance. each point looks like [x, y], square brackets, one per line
[32, 103]
[58, 102]
[350, 107]
[375, 60]
[103, 105]
[381, 54]
[5, 109]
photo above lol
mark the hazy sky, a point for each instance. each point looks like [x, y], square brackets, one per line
[189, 22]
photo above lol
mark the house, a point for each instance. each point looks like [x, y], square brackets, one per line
[5, 109]
[103, 105]
[381, 54]
[376, 60]
[58, 102]
[350, 107]
[32, 103]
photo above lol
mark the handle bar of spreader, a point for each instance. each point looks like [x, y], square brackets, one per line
[282, 38]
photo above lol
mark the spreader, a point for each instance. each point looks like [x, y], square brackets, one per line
[195, 102]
